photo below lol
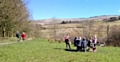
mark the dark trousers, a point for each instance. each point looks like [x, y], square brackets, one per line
[79, 48]
[84, 49]
[68, 45]
[94, 45]
[18, 39]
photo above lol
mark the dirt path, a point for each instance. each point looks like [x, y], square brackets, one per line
[6, 43]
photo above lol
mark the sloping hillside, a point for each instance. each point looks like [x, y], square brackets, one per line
[49, 21]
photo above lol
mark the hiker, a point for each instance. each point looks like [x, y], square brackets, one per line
[75, 41]
[18, 36]
[23, 36]
[84, 44]
[90, 44]
[79, 46]
[67, 41]
[95, 42]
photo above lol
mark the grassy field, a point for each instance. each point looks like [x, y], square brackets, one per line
[40, 50]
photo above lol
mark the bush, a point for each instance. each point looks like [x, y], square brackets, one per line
[63, 22]
[119, 17]
[114, 36]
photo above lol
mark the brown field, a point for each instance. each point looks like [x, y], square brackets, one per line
[58, 31]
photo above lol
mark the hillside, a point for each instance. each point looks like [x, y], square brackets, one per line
[49, 21]
[88, 29]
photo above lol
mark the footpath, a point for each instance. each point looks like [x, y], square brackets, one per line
[6, 43]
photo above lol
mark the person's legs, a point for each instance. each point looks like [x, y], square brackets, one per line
[80, 48]
[88, 49]
[95, 45]
[66, 46]
[23, 39]
[69, 45]
[84, 49]
[77, 48]
[18, 39]
[95, 48]
[66, 42]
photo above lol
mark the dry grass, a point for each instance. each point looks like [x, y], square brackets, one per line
[98, 28]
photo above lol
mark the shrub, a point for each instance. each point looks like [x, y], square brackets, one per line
[114, 36]
[63, 22]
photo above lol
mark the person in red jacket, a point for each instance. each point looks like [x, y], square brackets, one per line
[23, 36]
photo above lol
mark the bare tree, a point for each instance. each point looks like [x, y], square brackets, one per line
[100, 29]
[90, 24]
[53, 28]
[114, 36]
[87, 27]
[13, 16]
[108, 26]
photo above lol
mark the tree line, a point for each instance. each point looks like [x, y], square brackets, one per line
[14, 16]
[111, 19]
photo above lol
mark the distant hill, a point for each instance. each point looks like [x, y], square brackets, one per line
[49, 21]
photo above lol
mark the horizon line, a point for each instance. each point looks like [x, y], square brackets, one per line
[76, 17]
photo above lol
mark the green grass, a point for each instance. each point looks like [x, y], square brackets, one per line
[40, 50]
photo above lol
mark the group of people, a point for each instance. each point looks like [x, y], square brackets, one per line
[82, 44]
[19, 36]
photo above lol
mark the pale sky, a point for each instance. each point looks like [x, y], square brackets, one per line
[45, 9]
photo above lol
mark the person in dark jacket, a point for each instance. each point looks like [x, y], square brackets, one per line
[67, 41]
[84, 44]
[75, 41]
[18, 36]
[89, 44]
